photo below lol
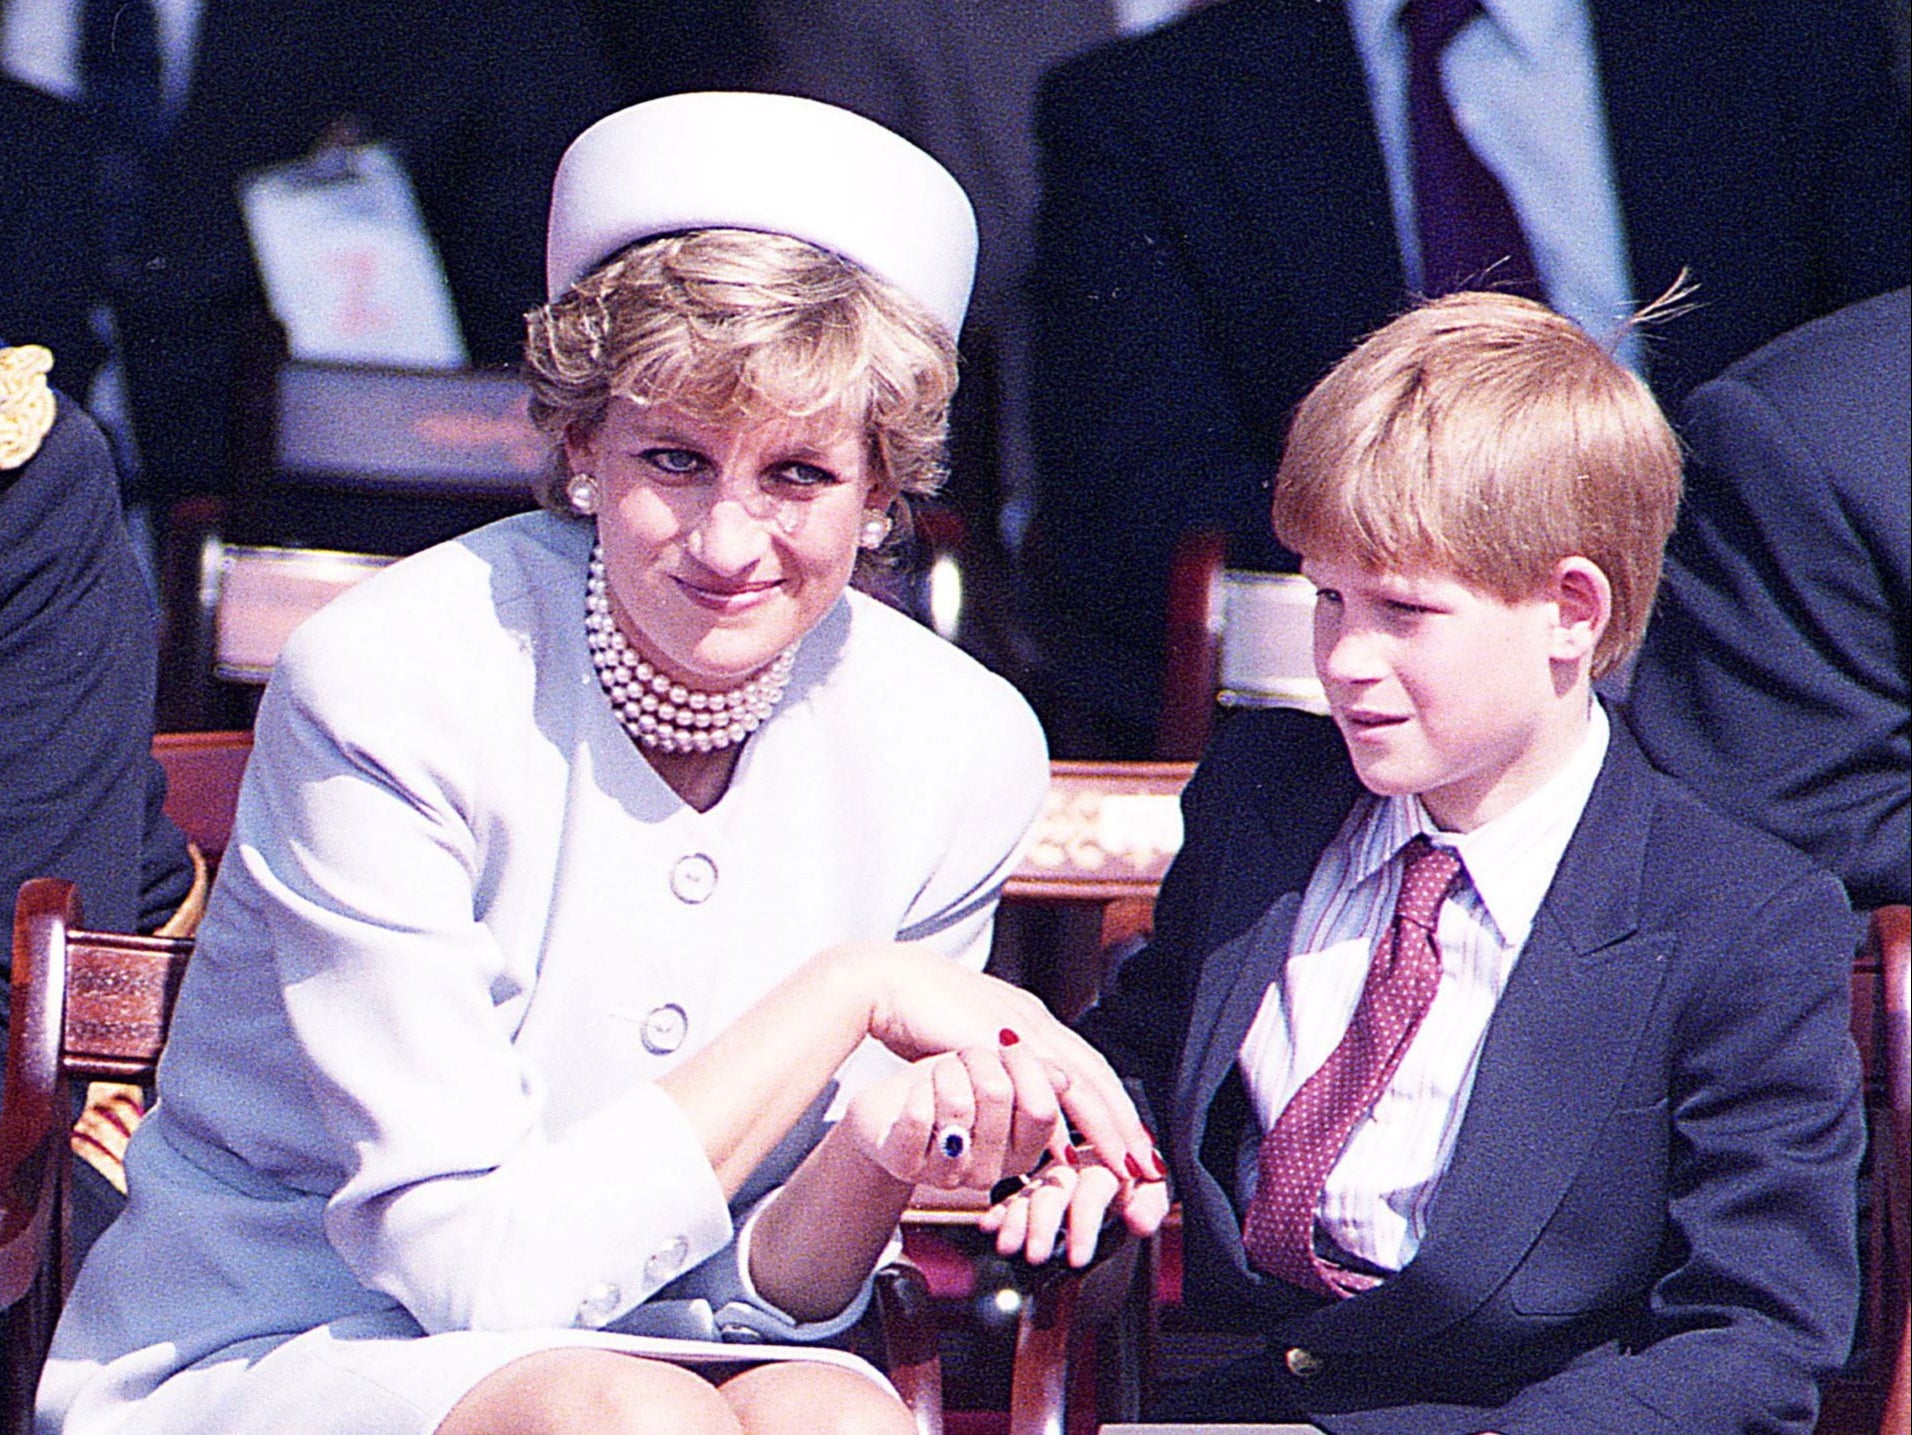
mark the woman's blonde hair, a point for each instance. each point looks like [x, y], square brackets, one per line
[733, 326]
[1487, 436]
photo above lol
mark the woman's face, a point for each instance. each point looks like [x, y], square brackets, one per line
[724, 544]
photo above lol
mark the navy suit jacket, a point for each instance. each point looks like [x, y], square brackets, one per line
[1648, 1220]
[1215, 233]
[1776, 677]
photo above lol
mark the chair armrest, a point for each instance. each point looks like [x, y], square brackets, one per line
[1065, 1310]
[912, 1355]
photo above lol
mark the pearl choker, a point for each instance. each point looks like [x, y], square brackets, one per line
[659, 712]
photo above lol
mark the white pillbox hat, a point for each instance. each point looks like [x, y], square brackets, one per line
[774, 163]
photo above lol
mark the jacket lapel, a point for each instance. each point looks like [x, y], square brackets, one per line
[1558, 1050]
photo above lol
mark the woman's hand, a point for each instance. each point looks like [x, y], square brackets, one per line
[922, 1004]
[963, 1119]
[1071, 1201]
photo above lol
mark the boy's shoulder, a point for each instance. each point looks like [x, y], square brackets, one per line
[1708, 875]
[1691, 831]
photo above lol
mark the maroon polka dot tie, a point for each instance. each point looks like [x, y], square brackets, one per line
[1307, 1138]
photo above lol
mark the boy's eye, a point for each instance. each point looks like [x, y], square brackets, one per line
[678, 462]
[1401, 611]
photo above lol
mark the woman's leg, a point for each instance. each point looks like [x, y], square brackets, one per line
[800, 1397]
[591, 1392]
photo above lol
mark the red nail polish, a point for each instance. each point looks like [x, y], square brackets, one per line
[1070, 1155]
[1135, 1167]
[1007, 1037]
[1161, 1166]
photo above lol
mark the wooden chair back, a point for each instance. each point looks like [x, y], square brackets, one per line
[262, 594]
[1877, 1393]
[203, 770]
[86, 1006]
[1094, 864]
[1106, 837]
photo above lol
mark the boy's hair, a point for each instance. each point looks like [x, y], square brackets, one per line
[1487, 436]
[734, 326]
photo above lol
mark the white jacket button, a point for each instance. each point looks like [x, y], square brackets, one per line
[664, 1029]
[693, 878]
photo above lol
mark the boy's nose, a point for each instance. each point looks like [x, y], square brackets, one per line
[1346, 656]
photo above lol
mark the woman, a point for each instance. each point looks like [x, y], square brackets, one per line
[576, 856]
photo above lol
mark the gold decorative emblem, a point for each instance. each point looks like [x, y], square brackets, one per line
[26, 403]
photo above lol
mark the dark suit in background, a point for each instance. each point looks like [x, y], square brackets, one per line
[1776, 677]
[80, 793]
[1216, 232]
[1648, 1221]
[478, 99]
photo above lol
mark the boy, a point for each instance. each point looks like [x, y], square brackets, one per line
[1508, 1087]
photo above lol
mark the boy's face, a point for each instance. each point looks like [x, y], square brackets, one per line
[1444, 690]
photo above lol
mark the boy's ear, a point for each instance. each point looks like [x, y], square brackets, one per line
[1583, 601]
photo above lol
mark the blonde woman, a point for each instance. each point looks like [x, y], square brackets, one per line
[508, 1087]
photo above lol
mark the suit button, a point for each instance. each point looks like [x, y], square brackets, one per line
[693, 879]
[664, 1029]
[1303, 1364]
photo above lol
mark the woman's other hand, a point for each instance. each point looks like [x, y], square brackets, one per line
[1065, 1204]
[962, 1119]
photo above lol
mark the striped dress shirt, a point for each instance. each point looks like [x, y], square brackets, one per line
[1374, 1205]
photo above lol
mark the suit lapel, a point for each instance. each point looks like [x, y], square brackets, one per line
[1558, 1050]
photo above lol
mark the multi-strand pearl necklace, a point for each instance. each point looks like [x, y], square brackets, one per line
[660, 712]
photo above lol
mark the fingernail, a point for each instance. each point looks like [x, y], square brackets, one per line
[1007, 1037]
[1070, 1155]
[1161, 1166]
[1135, 1167]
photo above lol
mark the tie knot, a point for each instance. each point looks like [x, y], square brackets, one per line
[1428, 875]
[1430, 24]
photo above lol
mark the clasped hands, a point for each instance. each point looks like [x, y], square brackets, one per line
[980, 1114]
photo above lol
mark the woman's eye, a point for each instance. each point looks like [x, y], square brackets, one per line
[678, 462]
[806, 475]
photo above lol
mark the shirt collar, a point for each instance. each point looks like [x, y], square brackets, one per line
[1530, 27]
[1510, 861]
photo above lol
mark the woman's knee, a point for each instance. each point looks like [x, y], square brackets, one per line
[797, 1397]
[591, 1392]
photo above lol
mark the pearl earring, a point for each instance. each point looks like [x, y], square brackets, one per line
[581, 491]
[876, 528]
